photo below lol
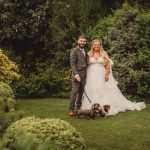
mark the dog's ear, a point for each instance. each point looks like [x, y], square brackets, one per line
[93, 107]
[106, 108]
[98, 105]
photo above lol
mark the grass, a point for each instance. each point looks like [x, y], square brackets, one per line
[125, 131]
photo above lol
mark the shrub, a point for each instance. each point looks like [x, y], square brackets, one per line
[8, 105]
[46, 131]
[7, 118]
[2, 105]
[5, 91]
[11, 104]
[26, 141]
[7, 102]
[47, 82]
[8, 69]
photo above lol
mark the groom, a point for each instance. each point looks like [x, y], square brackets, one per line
[78, 63]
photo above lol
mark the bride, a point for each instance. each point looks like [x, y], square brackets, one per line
[101, 87]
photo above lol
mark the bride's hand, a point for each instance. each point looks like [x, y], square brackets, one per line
[106, 78]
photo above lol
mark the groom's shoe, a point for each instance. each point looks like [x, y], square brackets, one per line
[71, 113]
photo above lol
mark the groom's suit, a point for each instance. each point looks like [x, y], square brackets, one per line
[78, 63]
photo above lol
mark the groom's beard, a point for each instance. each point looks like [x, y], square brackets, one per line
[81, 45]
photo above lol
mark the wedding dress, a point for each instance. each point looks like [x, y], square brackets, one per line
[103, 92]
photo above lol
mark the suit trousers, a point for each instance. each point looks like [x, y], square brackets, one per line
[77, 92]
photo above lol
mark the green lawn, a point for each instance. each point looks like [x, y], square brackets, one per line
[125, 131]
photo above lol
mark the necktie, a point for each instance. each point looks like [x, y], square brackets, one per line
[83, 51]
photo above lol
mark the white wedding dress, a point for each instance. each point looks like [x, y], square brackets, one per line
[103, 92]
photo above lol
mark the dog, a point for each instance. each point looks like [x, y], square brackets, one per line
[92, 113]
[87, 112]
[103, 111]
[95, 106]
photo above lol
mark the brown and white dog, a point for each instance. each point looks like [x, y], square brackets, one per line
[103, 110]
[95, 106]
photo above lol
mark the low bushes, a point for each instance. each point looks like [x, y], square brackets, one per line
[49, 82]
[7, 118]
[52, 132]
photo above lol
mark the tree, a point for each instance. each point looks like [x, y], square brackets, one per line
[24, 28]
[73, 18]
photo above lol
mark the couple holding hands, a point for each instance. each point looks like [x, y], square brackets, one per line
[92, 73]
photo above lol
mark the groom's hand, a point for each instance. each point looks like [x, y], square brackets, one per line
[78, 78]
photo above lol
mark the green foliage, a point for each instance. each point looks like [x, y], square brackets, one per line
[73, 18]
[144, 4]
[49, 82]
[5, 91]
[2, 105]
[7, 102]
[11, 104]
[7, 118]
[8, 69]
[25, 31]
[126, 40]
[7, 105]
[28, 141]
[101, 28]
[28, 23]
[45, 131]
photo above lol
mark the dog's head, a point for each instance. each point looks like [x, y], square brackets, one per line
[95, 106]
[106, 108]
[103, 111]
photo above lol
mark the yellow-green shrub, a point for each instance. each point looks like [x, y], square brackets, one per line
[7, 102]
[8, 69]
[7, 118]
[5, 91]
[47, 131]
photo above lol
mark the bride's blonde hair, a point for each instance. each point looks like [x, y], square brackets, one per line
[91, 52]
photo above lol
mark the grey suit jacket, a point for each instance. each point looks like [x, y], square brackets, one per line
[78, 62]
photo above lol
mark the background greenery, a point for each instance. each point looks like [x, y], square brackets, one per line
[38, 35]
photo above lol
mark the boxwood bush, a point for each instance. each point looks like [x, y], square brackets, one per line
[46, 131]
